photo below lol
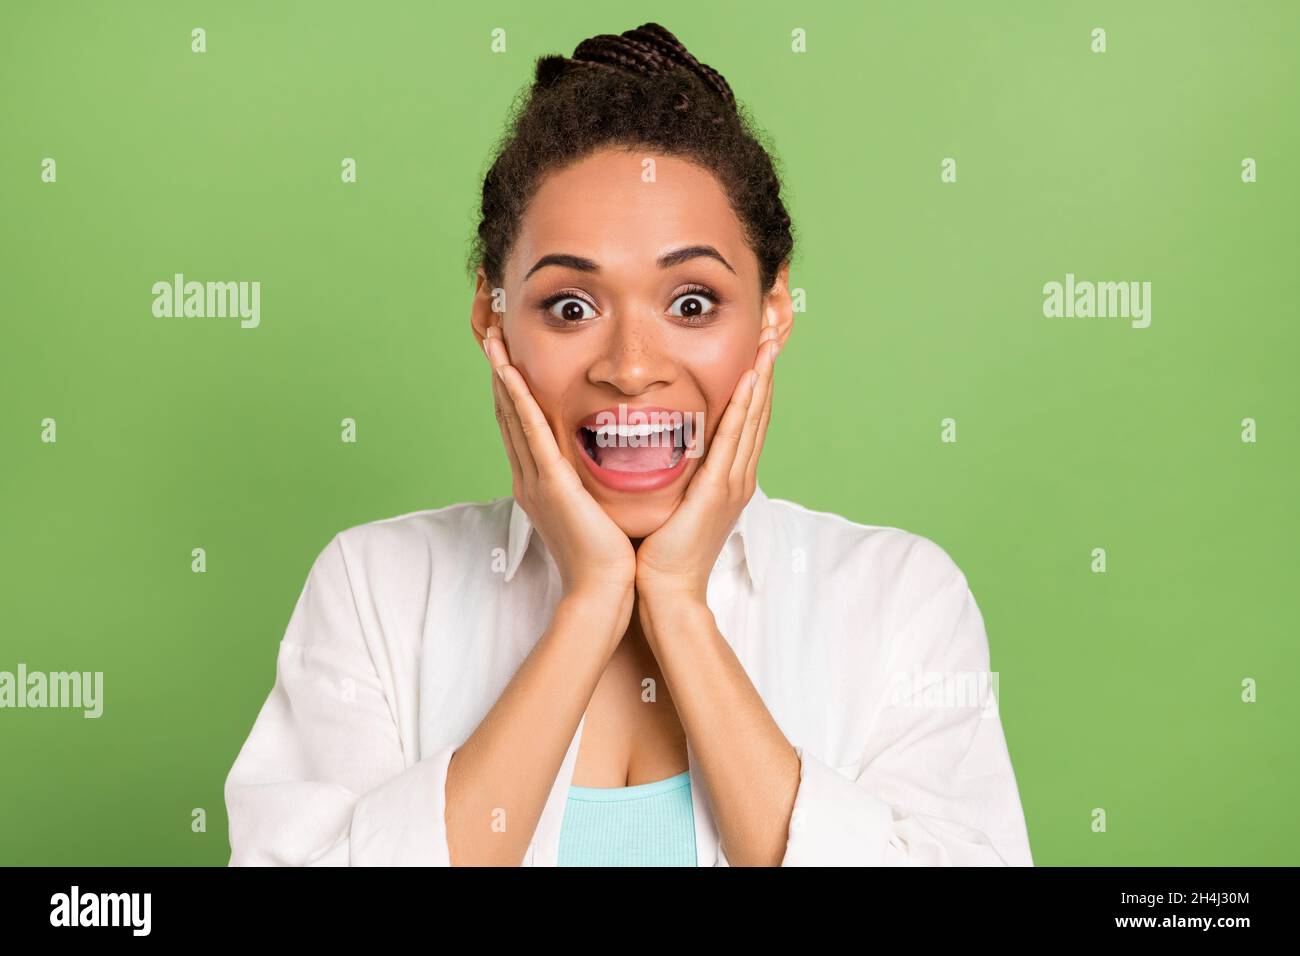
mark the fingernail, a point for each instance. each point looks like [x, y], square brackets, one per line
[485, 347]
[501, 373]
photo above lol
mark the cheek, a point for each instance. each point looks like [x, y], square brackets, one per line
[718, 364]
[544, 365]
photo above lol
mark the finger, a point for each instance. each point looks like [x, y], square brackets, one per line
[754, 413]
[510, 411]
[726, 438]
[533, 426]
[752, 472]
[516, 449]
[499, 401]
[540, 438]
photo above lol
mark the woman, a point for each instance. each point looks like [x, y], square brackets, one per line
[638, 658]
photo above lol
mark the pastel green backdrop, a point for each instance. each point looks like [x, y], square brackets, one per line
[1119, 690]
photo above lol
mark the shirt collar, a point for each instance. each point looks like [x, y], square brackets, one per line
[751, 537]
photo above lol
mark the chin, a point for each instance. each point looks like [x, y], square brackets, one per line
[639, 519]
[639, 485]
[637, 514]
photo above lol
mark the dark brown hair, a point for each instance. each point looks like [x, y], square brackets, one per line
[641, 89]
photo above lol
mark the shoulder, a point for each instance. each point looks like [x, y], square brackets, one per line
[401, 538]
[373, 582]
[394, 558]
[895, 571]
[909, 560]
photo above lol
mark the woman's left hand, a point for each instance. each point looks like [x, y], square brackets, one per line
[677, 559]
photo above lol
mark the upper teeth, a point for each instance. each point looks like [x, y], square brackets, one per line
[628, 431]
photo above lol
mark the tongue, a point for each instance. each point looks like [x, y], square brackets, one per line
[624, 458]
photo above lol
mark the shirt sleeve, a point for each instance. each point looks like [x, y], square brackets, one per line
[323, 778]
[934, 785]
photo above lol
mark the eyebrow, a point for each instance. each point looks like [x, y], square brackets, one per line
[668, 259]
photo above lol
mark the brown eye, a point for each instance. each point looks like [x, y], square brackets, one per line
[693, 306]
[570, 309]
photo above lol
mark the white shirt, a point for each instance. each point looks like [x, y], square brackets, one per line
[409, 628]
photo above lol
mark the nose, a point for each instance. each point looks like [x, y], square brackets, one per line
[632, 358]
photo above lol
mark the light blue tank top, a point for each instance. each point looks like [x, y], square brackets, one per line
[650, 824]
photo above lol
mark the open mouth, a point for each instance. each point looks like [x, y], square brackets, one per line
[634, 448]
[641, 449]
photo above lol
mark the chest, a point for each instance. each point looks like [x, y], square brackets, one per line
[469, 650]
[632, 733]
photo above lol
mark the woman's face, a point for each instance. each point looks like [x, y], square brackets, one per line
[630, 285]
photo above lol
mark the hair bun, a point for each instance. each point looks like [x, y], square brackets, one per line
[649, 50]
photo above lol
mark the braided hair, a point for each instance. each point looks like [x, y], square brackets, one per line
[641, 89]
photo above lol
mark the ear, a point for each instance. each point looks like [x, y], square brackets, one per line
[481, 314]
[778, 310]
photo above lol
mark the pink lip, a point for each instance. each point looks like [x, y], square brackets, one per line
[636, 481]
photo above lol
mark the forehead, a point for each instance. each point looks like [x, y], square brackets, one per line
[616, 208]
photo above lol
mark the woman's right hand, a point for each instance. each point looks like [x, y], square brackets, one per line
[594, 556]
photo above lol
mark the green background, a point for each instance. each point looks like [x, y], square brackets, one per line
[1119, 690]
